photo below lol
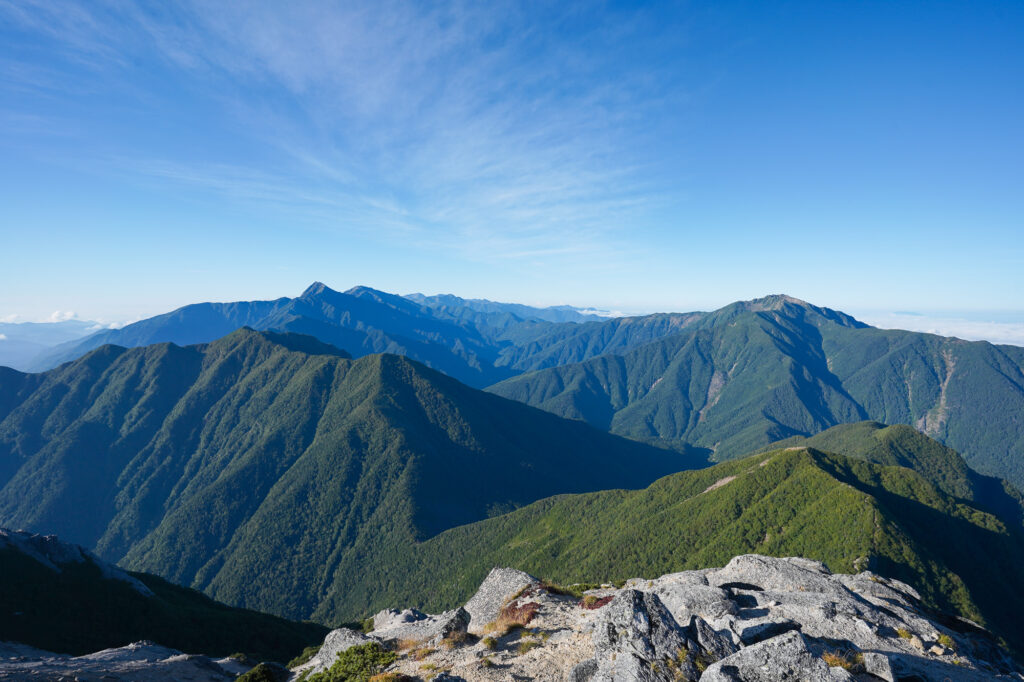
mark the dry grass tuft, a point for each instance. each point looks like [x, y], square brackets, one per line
[456, 639]
[421, 653]
[591, 602]
[851, 661]
[406, 644]
[512, 617]
[527, 644]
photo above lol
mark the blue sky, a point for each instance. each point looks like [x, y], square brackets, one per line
[861, 155]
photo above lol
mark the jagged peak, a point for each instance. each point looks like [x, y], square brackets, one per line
[317, 289]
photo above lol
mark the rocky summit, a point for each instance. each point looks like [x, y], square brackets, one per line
[756, 619]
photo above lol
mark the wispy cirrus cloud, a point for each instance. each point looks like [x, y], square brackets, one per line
[499, 129]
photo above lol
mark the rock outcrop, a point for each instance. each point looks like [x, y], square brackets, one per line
[138, 662]
[498, 587]
[757, 619]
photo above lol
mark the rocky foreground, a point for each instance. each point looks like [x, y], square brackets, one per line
[758, 618]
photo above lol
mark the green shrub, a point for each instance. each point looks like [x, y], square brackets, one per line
[528, 644]
[357, 664]
[264, 673]
[308, 653]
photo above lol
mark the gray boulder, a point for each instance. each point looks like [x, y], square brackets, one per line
[391, 617]
[714, 645]
[636, 638]
[422, 629]
[500, 585]
[774, 595]
[792, 574]
[781, 658]
[688, 595]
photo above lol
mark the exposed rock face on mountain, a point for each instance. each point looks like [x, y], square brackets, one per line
[756, 619]
[138, 662]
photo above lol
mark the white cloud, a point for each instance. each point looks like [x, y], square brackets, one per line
[972, 330]
[488, 129]
[61, 316]
[3, 337]
[602, 313]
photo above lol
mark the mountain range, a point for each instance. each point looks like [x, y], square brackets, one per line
[265, 467]
[324, 456]
[759, 371]
[728, 381]
[477, 342]
[22, 342]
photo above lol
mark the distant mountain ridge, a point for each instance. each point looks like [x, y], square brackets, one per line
[558, 313]
[759, 371]
[729, 381]
[477, 342]
[22, 342]
[265, 467]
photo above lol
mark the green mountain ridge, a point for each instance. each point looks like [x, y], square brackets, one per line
[797, 501]
[904, 446]
[265, 468]
[761, 371]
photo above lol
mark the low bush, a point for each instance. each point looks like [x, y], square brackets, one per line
[356, 664]
[307, 654]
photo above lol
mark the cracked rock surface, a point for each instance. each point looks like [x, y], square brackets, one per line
[756, 619]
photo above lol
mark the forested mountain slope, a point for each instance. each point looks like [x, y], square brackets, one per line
[56, 596]
[264, 468]
[849, 513]
[760, 371]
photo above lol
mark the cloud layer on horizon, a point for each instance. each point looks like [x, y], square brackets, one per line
[998, 332]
